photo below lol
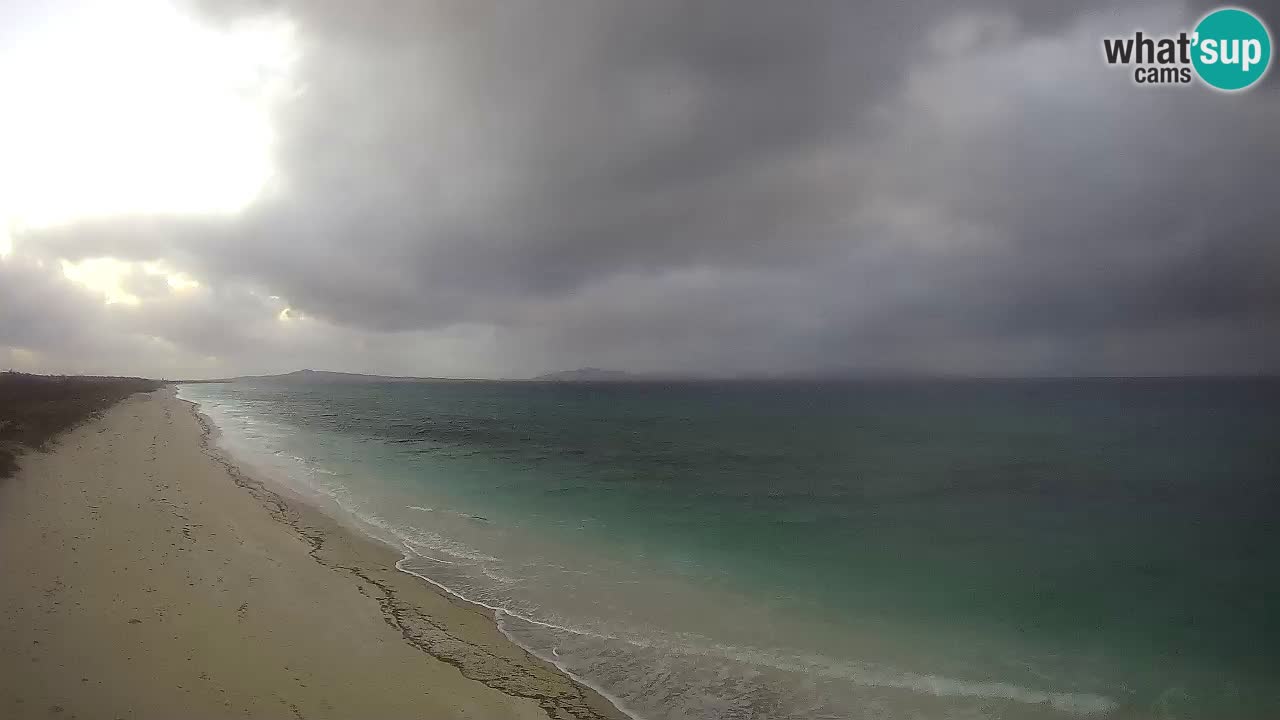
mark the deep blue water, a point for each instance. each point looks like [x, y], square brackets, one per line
[793, 549]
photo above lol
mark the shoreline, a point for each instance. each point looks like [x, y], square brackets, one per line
[910, 690]
[304, 517]
[146, 580]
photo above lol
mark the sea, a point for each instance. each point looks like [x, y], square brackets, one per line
[922, 549]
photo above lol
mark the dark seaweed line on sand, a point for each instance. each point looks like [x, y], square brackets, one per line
[561, 699]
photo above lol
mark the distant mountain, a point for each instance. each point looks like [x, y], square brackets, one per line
[326, 376]
[588, 374]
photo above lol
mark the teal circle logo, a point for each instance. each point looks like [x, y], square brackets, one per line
[1232, 49]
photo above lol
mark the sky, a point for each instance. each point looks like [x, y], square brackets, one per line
[716, 188]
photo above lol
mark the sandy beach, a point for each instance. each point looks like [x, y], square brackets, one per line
[145, 576]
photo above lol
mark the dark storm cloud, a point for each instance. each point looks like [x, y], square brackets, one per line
[723, 187]
[532, 149]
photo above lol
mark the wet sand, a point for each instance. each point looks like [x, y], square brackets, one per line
[145, 576]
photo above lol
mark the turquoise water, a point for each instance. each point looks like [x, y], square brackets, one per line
[975, 549]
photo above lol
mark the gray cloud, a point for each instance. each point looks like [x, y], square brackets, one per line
[724, 187]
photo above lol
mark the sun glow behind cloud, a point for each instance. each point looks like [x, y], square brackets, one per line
[133, 108]
[111, 277]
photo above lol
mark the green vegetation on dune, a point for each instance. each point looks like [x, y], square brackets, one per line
[34, 409]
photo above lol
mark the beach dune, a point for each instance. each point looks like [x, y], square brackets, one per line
[145, 576]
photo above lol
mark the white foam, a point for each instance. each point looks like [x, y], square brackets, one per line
[499, 613]
[564, 668]
[1084, 704]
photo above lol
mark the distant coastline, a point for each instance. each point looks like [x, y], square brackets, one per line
[601, 375]
[324, 376]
